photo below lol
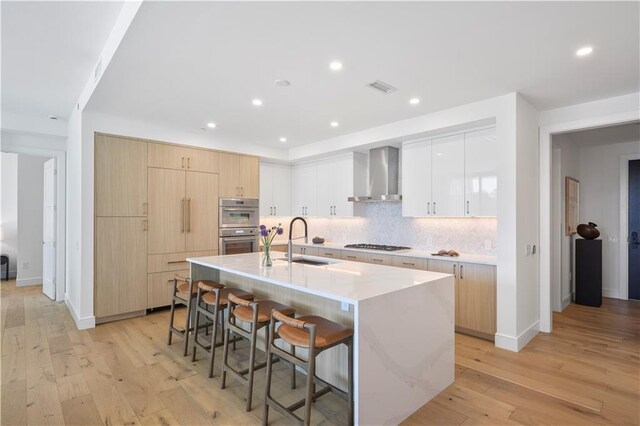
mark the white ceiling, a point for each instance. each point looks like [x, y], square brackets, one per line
[49, 50]
[184, 64]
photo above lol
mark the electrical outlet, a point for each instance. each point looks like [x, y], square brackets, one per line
[487, 244]
[613, 239]
[25, 265]
[345, 306]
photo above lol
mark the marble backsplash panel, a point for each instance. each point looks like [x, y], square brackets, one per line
[383, 224]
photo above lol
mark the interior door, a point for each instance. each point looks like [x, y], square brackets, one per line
[167, 211]
[634, 229]
[447, 176]
[49, 230]
[201, 211]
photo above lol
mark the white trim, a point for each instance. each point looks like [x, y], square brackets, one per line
[515, 344]
[81, 323]
[623, 292]
[566, 301]
[612, 293]
[546, 315]
[25, 282]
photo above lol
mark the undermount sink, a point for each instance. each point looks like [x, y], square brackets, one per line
[312, 261]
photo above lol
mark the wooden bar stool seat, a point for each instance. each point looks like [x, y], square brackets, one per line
[257, 314]
[316, 334]
[328, 333]
[211, 303]
[183, 293]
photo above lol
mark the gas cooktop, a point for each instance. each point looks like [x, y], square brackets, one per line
[376, 247]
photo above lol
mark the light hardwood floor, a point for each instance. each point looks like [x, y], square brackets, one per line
[585, 372]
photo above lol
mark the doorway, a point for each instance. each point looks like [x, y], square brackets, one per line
[602, 160]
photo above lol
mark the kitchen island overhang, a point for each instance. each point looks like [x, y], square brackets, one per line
[403, 323]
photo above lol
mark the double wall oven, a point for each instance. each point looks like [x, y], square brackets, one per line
[238, 222]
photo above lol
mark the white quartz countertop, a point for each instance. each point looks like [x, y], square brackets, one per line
[340, 280]
[468, 258]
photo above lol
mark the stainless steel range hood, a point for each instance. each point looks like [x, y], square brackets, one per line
[383, 176]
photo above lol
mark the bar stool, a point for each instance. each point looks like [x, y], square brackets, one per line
[316, 334]
[183, 293]
[218, 299]
[258, 315]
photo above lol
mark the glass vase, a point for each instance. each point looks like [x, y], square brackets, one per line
[266, 257]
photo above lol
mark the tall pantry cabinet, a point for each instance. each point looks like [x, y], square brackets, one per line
[156, 204]
[120, 226]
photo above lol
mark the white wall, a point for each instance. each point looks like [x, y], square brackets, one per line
[9, 210]
[30, 207]
[600, 203]
[569, 167]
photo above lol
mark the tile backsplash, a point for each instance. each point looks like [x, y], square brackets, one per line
[383, 224]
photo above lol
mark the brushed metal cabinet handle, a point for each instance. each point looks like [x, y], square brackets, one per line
[467, 206]
[434, 207]
[275, 210]
[429, 207]
[176, 261]
[189, 215]
[182, 227]
[188, 162]
[270, 211]
[144, 225]
[145, 208]
[454, 270]
[182, 164]
[461, 272]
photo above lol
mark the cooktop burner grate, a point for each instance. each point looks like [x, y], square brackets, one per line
[376, 247]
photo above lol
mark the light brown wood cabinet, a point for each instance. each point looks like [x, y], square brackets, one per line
[239, 176]
[160, 287]
[121, 266]
[475, 296]
[120, 176]
[183, 211]
[177, 157]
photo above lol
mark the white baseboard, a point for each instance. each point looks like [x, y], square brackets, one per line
[24, 282]
[611, 292]
[566, 301]
[81, 323]
[515, 344]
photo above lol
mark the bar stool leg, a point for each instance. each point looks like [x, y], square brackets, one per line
[214, 337]
[311, 374]
[171, 316]
[267, 391]
[195, 326]
[187, 320]
[252, 361]
[225, 357]
[293, 368]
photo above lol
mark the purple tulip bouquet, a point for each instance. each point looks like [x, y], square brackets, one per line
[266, 236]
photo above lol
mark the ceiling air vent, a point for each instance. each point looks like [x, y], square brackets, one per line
[382, 87]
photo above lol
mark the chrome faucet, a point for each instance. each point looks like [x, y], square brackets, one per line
[290, 245]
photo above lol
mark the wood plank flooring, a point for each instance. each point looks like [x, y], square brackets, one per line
[123, 373]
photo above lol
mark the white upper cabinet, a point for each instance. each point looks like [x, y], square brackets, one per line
[304, 180]
[322, 188]
[450, 176]
[447, 176]
[481, 173]
[275, 190]
[416, 179]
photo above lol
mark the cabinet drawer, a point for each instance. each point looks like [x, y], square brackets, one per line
[409, 262]
[380, 259]
[327, 252]
[353, 256]
[160, 287]
[174, 261]
[444, 266]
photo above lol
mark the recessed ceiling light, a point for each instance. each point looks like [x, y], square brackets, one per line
[414, 101]
[335, 65]
[584, 51]
[53, 117]
[256, 102]
[282, 83]
[283, 139]
[211, 125]
[334, 124]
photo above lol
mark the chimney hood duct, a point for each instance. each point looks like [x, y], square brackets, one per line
[383, 176]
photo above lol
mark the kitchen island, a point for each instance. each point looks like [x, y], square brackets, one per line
[403, 323]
